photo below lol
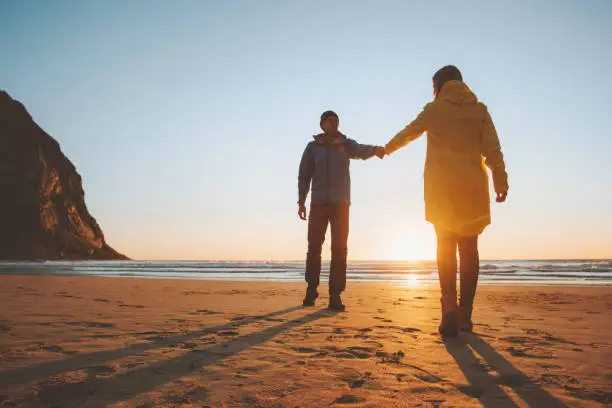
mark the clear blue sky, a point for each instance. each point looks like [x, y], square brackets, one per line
[187, 119]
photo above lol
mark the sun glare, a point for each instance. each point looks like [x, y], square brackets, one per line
[410, 248]
[412, 280]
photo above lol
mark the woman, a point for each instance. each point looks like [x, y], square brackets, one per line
[461, 141]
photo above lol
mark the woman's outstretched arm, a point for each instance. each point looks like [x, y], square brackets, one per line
[411, 132]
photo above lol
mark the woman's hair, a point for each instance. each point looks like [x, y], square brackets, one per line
[445, 74]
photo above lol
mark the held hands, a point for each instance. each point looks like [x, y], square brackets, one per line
[380, 152]
[302, 212]
[501, 197]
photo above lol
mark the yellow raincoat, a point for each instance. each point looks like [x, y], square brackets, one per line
[461, 143]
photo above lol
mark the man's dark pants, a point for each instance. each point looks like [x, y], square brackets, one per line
[336, 215]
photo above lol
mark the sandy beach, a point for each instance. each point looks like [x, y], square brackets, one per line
[126, 342]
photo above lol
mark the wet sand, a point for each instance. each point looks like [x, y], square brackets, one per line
[127, 342]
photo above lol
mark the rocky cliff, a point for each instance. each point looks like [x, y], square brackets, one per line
[42, 203]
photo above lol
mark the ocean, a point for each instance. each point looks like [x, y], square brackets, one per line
[589, 272]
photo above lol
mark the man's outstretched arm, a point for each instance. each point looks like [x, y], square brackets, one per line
[363, 152]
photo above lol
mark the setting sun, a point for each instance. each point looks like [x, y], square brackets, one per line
[410, 247]
[411, 281]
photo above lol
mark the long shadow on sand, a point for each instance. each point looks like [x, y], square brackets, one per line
[486, 387]
[109, 390]
[30, 373]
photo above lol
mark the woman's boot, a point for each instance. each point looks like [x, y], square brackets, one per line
[449, 324]
[469, 269]
[447, 271]
[464, 315]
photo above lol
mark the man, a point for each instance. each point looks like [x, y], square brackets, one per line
[325, 164]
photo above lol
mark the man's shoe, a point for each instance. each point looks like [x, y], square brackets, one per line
[335, 303]
[309, 299]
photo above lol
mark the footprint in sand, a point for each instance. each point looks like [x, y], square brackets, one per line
[178, 399]
[549, 366]
[425, 376]
[155, 338]
[231, 292]
[67, 295]
[398, 328]
[189, 345]
[547, 337]
[132, 306]
[354, 353]
[348, 399]
[100, 325]
[53, 349]
[196, 292]
[487, 368]
[208, 312]
[527, 353]
[371, 349]
[373, 344]
[357, 381]
[410, 330]
[486, 327]
[228, 333]
[100, 371]
[100, 336]
[306, 350]
[390, 358]
[30, 291]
